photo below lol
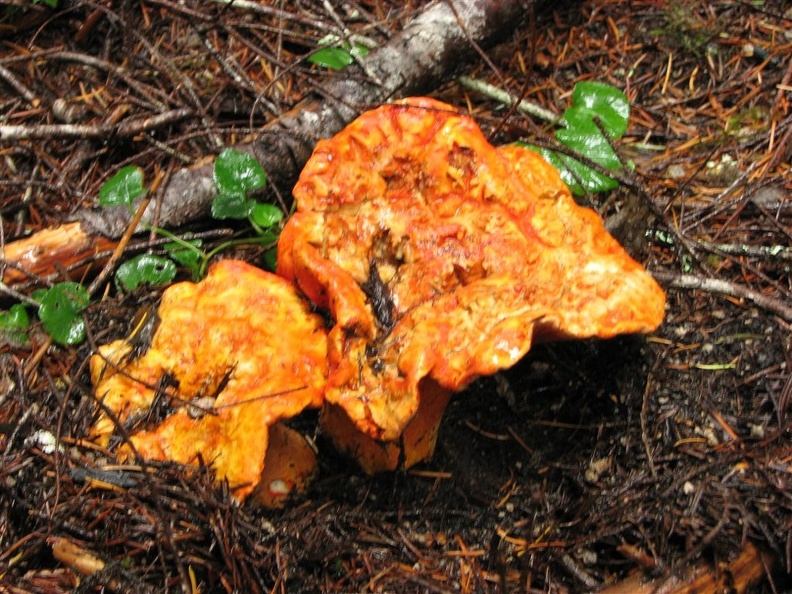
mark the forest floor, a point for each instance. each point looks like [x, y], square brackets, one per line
[587, 463]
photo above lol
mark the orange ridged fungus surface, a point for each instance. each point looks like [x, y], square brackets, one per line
[233, 355]
[442, 258]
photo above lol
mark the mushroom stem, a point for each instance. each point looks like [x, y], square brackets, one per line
[416, 443]
[289, 464]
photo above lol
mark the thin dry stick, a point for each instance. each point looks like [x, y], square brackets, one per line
[644, 423]
[131, 128]
[714, 285]
[145, 93]
[508, 99]
[759, 251]
[119, 250]
[18, 85]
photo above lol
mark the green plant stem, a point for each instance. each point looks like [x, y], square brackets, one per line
[231, 243]
[176, 239]
[255, 226]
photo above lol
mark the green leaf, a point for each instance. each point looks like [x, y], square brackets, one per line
[145, 269]
[572, 170]
[236, 172]
[335, 58]
[359, 51]
[592, 102]
[14, 325]
[38, 294]
[591, 143]
[123, 188]
[581, 178]
[191, 259]
[59, 310]
[598, 100]
[265, 215]
[271, 259]
[231, 206]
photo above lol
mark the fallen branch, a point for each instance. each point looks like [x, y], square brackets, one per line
[50, 250]
[714, 285]
[426, 52]
[84, 131]
[421, 56]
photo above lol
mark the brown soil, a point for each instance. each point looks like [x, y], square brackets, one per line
[585, 463]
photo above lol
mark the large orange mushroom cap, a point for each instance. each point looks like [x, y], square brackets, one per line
[441, 257]
[233, 355]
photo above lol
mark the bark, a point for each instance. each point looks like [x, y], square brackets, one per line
[425, 53]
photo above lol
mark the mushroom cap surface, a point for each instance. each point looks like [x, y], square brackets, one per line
[232, 355]
[440, 256]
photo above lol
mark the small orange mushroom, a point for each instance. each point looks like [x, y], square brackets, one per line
[232, 357]
[442, 258]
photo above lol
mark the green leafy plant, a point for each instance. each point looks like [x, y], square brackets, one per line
[597, 110]
[188, 254]
[145, 269]
[337, 57]
[237, 175]
[14, 325]
[123, 188]
[60, 311]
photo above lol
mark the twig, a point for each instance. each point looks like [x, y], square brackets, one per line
[95, 569]
[714, 285]
[18, 86]
[274, 12]
[228, 63]
[119, 250]
[145, 92]
[644, 422]
[781, 252]
[577, 570]
[5, 289]
[125, 239]
[507, 98]
[49, 131]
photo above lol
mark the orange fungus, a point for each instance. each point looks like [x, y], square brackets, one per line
[232, 357]
[442, 258]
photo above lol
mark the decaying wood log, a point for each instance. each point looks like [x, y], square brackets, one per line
[416, 60]
[49, 250]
